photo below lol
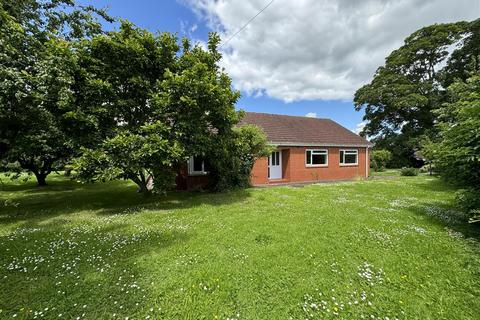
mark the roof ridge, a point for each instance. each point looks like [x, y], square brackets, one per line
[286, 128]
[287, 115]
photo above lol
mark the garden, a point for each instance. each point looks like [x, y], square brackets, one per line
[392, 247]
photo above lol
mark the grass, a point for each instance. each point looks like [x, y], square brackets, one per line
[392, 247]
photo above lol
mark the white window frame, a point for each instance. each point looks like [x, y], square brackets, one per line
[321, 151]
[191, 171]
[350, 151]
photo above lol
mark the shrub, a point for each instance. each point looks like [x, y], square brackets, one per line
[232, 159]
[408, 171]
[455, 149]
[469, 201]
[379, 159]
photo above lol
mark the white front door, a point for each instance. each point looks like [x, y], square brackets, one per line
[275, 165]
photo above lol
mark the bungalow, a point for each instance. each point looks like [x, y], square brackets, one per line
[307, 150]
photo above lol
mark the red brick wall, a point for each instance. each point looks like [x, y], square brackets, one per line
[184, 181]
[295, 170]
[260, 171]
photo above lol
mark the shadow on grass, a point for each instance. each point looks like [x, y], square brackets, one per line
[92, 271]
[434, 183]
[26, 201]
[446, 214]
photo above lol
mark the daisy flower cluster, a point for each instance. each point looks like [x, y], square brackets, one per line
[446, 215]
[67, 257]
[354, 303]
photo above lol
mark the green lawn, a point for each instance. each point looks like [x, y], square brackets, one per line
[388, 248]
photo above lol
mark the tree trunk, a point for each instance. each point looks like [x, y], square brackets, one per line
[40, 173]
[142, 188]
[41, 179]
[141, 183]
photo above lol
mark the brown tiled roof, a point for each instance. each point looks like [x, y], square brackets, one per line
[303, 131]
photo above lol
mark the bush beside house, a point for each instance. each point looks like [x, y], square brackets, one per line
[379, 159]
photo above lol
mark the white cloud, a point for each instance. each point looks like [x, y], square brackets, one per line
[311, 115]
[188, 30]
[318, 49]
[359, 127]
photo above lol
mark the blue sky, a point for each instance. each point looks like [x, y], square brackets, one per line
[177, 17]
[297, 57]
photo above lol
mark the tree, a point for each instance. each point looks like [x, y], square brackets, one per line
[138, 156]
[197, 99]
[32, 131]
[232, 159]
[37, 71]
[400, 100]
[380, 159]
[465, 57]
[162, 105]
[456, 151]
[121, 72]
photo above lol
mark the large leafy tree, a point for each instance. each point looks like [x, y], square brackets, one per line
[138, 155]
[198, 102]
[465, 58]
[400, 100]
[37, 71]
[121, 72]
[163, 103]
[455, 151]
[196, 98]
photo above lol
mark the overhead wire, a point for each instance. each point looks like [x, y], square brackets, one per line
[246, 24]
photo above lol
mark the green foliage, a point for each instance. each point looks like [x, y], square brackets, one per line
[399, 102]
[403, 91]
[140, 79]
[379, 159]
[408, 172]
[428, 168]
[36, 92]
[464, 58]
[196, 98]
[232, 159]
[120, 72]
[403, 149]
[128, 100]
[469, 201]
[43, 19]
[456, 150]
[135, 156]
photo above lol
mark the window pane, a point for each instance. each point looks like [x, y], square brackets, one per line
[319, 158]
[278, 158]
[341, 156]
[197, 164]
[309, 154]
[351, 158]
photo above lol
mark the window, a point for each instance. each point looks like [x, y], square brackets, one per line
[275, 158]
[316, 158]
[196, 166]
[348, 157]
